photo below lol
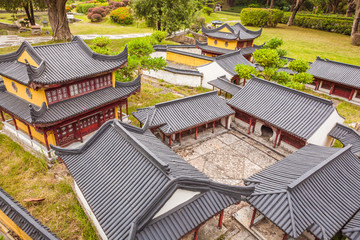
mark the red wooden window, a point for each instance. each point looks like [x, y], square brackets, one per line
[59, 94]
[326, 85]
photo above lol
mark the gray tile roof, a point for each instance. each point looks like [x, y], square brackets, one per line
[191, 54]
[206, 47]
[229, 61]
[315, 189]
[251, 50]
[164, 48]
[183, 71]
[58, 63]
[337, 72]
[126, 175]
[225, 85]
[237, 31]
[347, 136]
[352, 229]
[23, 219]
[295, 112]
[68, 108]
[181, 114]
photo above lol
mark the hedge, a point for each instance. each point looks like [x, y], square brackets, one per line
[260, 17]
[122, 16]
[325, 23]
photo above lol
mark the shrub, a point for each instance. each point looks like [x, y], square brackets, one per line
[254, 5]
[159, 36]
[101, 41]
[114, 5]
[96, 17]
[325, 23]
[207, 10]
[299, 65]
[196, 26]
[84, 7]
[67, 8]
[122, 16]
[259, 17]
[96, 14]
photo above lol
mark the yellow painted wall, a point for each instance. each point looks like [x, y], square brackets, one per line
[38, 96]
[221, 43]
[113, 78]
[36, 135]
[11, 225]
[184, 59]
[25, 55]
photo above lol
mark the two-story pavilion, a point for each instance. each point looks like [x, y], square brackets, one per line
[226, 38]
[56, 94]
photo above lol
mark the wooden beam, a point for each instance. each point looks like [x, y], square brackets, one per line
[221, 219]
[253, 129]
[2, 116]
[46, 140]
[15, 124]
[127, 107]
[29, 131]
[180, 137]
[252, 218]
[196, 133]
[170, 140]
[213, 127]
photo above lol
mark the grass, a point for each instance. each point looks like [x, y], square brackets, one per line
[222, 16]
[350, 112]
[309, 43]
[24, 175]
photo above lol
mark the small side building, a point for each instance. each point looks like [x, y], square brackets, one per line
[347, 136]
[227, 38]
[288, 117]
[189, 115]
[336, 78]
[16, 219]
[132, 186]
[316, 189]
[225, 86]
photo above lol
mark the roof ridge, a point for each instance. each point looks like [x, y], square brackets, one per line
[325, 101]
[316, 168]
[328, 60]
[347, 128]
[228, 54]
[185, 98]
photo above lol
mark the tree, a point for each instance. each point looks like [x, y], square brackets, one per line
[168, 15]
[299, 65]
[245, 71]
[355, 31]
[58, 20]
[27, 5]
[298, 5]
[350, 7]
[270, 60]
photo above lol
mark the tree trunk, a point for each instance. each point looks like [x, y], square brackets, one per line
[267, 2]
[350, 7]
[356, 23]
[296, 9]
[29, 12]
[292, 5]
[58, 20]
[271, 4]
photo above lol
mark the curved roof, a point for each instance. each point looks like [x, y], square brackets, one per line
[352, 229]
[23, 219]
[338, 72]
[225, 85]
[295, 112]
[58, 63]
[315, 189]
[184, 113]
[126, 175]
[230, 60]
[217, 50]
[236, 32]
[347, 136]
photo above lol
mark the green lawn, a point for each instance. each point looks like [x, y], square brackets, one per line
[309, 43]
[222, 16]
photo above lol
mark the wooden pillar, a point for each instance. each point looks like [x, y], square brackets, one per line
[351, 94]
[29, 131]
[80, 133]
[252, 218]
[213, 130]
[103, 113]
[244, 82]
[127, 107]
[221, 219]
[180, 137]
[196, 133]
[332, 89]
[280, 136]
[317, 84]
[251, 120]
[15, 124]
[196, 233]
[285, 236]
[276, 138]
[120, 112]
[46, 140]
[170, 140]
[163, 136]
[2, 116]
[213, 88]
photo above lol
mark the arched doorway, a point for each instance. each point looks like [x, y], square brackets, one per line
[266, 132]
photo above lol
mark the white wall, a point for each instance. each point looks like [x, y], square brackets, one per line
[321, 137]
[89, 212]
[158, 54]
[212, 71]
[175, 78]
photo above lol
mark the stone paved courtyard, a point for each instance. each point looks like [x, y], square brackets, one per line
[228, 158]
